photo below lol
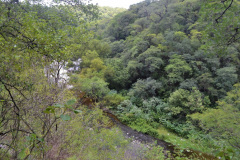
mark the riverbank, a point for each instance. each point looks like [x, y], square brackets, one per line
[140, 139]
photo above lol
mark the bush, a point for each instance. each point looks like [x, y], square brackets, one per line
[141, 125]
[145, 88]
[113, 99]
[182, 129]
[87, 138]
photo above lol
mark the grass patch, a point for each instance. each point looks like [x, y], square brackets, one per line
[183, 143]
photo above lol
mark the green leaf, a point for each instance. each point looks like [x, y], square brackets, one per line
[230, 150]
[28, 138]
[220, 154]
[58, 105]
[40, 139]
[71, 102]
[34, 136]
[25, 152]
[49, 110]
[65, 117]
[77, 111]
[31, 137]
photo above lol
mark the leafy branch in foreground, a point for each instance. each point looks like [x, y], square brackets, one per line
[222, 23]
[32, 38]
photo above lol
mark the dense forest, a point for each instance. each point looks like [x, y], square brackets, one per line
[166, 68]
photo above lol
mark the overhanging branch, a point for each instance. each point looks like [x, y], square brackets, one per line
[217, 19]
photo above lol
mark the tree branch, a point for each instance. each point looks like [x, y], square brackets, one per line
[217, 19]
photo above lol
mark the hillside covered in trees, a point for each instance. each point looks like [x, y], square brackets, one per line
[166, 68]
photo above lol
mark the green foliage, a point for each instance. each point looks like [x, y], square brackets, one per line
[145, 88]
[88, 58]
[188, 84]
[181, 129]
[154, 107]
[65, 117]
[196, 140]
[34, 46]
[183, 103]
[86, 137]
[102, 48]
[145, 118]
[221, 22]
[113, 99]
[108, 12]
[205, 83]
[117, 47]
[159, 50]
[94, 88]
[226, 77]
[223, 122]
[155, 53]
[25, 152]
[155, 153]
[151, 62]
[177, 69]
[118, 27]
[119, 79]
[128, 111]
[178, 42]
[141, 125]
